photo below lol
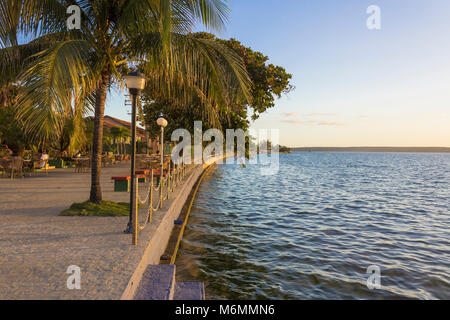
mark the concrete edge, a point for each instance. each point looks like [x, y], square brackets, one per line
[157, 244]
[178, 230]
[172, 286]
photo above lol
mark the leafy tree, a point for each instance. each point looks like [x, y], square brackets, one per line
[269, 82]
[11, 132]
[284, 149]
[119, 135]
[7, 94]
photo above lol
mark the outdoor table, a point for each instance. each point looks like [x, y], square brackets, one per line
[5, 164]
[122, 183]
[81, 164]
[143, 175]
[28, 164]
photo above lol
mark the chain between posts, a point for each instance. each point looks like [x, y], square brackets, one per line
[161, 192]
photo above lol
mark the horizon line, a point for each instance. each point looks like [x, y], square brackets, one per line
[377, 147]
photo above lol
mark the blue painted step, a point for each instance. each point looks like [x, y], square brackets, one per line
[158, 283]
[189, 291]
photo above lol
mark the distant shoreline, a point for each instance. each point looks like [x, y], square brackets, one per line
[375, 149]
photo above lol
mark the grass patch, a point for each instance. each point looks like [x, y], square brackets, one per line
[105, 209]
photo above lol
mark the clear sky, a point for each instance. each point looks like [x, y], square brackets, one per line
[354, 86]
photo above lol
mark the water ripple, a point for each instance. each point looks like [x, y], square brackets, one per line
[311, 231]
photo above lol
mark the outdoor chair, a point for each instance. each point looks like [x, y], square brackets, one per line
[110, 160]
[2, 170]
[141, 163]
[40, 165]
[16, 167]
[78, 165]
[155, 164]
[4, 164]
[28, 167]
[104, 161]
[82, 165]
[43, 164]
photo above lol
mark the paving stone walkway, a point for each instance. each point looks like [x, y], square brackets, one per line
[37, 246]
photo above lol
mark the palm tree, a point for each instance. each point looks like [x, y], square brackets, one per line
[120, 134]
[6, 93]
[78, 67]
[115, 135]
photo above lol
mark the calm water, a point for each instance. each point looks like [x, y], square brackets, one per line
[311, 231]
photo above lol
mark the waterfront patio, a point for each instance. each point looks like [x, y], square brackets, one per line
[37, 246]
[42, 195]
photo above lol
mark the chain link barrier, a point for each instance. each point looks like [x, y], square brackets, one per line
[165, 185]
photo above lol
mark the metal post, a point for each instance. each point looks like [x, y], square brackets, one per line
[133, 205]
[168, 181]
[134, 224]
[151, 199]
[162, 165]
[147, 140]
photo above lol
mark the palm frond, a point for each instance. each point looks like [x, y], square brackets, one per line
[35, 18]
[213, 14]
[51, 84]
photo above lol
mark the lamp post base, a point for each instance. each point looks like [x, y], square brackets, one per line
[128, 229]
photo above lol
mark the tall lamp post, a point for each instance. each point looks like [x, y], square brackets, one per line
[162, 122]
[147, 138]
[135, 82]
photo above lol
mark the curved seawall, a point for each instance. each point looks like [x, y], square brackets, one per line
[161, 245]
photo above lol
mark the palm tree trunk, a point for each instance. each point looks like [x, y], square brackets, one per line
[97, 144]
